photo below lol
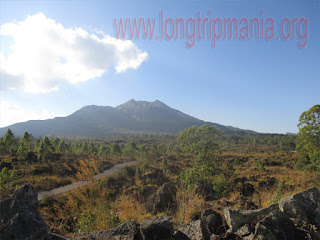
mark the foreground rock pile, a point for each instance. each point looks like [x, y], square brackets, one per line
[294, 217]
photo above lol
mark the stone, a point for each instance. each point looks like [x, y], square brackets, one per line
[206, 191]
[276, 226]
[20, 218]
[162, 200]
[157, 228]
[244, 231]
[303, 207]
[193, 230]
[211, 222]
[238, 218]
[246, 189]
[125, 231]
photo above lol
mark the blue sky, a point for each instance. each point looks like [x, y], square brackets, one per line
[262, 85]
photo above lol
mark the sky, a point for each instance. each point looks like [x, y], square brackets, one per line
[58, 56]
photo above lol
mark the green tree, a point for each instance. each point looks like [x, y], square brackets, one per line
[9, 138]
[62, 147]
[308, 141]
[309, 130]
[201, 142]
[104, 151]
[26, 140]
[115, 149]
[45, 149]
[55, 143]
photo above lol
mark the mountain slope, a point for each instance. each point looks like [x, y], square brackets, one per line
[132, 117]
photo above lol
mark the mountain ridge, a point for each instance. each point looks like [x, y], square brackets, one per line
[131, 117]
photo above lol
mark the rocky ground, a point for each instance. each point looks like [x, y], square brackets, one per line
[295, 217]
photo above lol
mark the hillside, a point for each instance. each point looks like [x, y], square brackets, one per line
[132, 117]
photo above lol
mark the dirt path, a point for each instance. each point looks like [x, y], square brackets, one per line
[74, 185]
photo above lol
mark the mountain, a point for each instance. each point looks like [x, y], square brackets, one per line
[132, 117]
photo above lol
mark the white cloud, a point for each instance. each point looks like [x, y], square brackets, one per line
[44, 54]
[12, 113]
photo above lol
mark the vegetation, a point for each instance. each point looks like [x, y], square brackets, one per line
[245, 171]
[309, 139]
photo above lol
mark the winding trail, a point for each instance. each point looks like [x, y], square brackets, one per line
[75, 185]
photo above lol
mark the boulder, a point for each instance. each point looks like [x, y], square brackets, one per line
[275, 226]
[211, 222]
[125, 231]
[206, 191]
[202, 226]
[238, 218]
[246, 189]
[162, 200]
[191, 231]
[225, 236]
[20, 218]
[303, 207]
[244, 231]
[157, 228]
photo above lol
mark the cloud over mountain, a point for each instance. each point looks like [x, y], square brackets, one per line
[44, 54]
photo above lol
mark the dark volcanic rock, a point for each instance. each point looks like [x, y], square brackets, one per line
[206, 191]
[20, 218]
[276, 226]
[238, 218]
[162, 200]
[211, 222]
[246, 189]
[303, 207]
[225, 236]
[202, 226]
[157, 228]
[125, 231]
[192, 231]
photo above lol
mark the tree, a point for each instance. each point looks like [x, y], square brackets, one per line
[10, 142]
[309, 130]
[62, 147]
[9, 138]
[26, 140]
[308, 141]
[115, 149]
[55, 143]
[201, 142]
[45, 149]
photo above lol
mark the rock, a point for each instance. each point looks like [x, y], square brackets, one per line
[192, 231]
[162, 200]
[225, 236]
[178, 235]
[157, 228]
[276, 226]
[211, 222]
[238, 218]
[20, 218]
[125, 231]
[205, 191]
[246, 189]
[303, 207]
[244, 231]
[202, 226]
